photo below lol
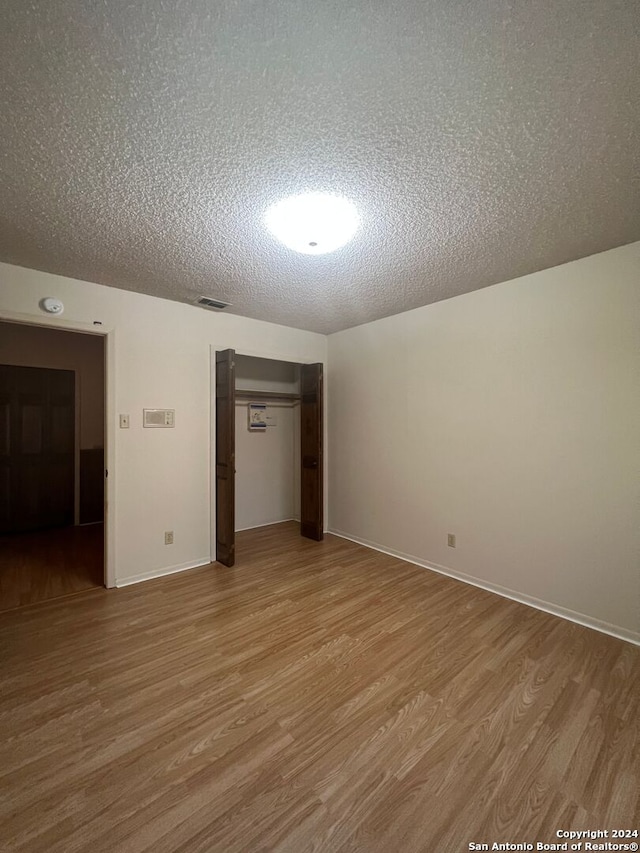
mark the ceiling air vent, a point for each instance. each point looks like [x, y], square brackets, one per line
[214, 304]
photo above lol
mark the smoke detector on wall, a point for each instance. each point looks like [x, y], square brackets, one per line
[211, 303]
[52, 305]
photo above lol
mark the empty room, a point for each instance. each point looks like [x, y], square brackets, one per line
[319, 426]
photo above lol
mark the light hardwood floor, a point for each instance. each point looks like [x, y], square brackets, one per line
[50, 563]
[317, 697]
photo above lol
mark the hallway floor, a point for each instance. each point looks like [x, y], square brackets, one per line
[49, 564]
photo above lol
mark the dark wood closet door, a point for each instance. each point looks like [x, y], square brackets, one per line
[37, 448]
[225, 457]
[311, 495]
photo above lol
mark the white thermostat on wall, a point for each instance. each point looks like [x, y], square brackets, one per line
[159, 418]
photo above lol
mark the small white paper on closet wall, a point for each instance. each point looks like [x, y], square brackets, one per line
[257, 417]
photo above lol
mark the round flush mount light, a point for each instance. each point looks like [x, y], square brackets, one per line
[51, 305]
[313, 223]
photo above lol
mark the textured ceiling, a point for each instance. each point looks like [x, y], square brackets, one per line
[142, 140]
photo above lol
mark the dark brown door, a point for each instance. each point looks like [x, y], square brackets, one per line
[311, 500]
[225, 457]
[37, 441]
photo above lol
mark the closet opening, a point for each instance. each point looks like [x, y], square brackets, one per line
[268, 447]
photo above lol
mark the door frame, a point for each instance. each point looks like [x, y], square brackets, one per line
[291, 358]
[109, 335]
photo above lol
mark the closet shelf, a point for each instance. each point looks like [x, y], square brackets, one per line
[243, 394]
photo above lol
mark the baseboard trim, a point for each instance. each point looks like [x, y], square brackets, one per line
[505, 592]
[266, 524]
[159, 573]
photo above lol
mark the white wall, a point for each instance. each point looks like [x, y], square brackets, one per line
[159, 478]
[267, 489]
[510, 417]
[267, 462]
[263, 374]
[30, 346]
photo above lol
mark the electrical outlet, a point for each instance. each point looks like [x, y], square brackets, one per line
[124, 421]
[168, 537]
[451, 540]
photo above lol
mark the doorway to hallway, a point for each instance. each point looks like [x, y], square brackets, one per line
[52, 389]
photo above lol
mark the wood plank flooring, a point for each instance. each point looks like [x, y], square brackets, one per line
[50, 563]
[316, 697]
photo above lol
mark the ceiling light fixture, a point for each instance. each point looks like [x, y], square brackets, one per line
[313, 223]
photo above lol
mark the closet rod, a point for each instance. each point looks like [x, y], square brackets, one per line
[243, 394]
[272, 404]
